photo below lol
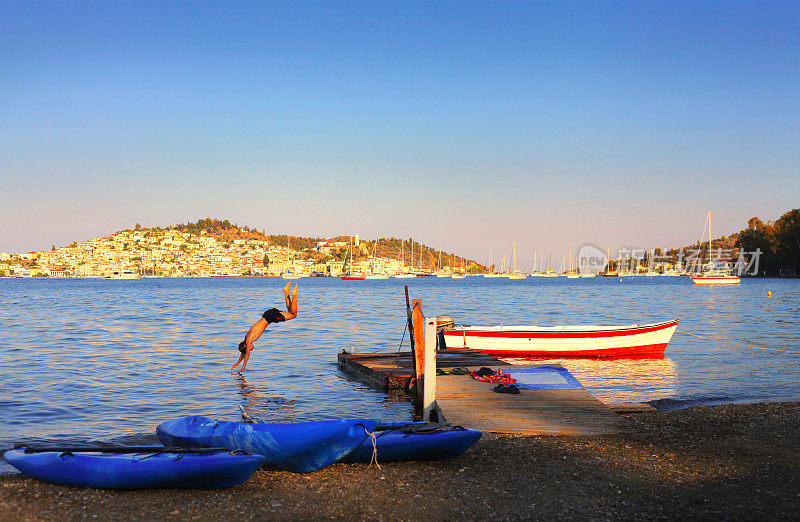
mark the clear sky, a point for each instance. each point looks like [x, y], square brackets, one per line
[467, 125]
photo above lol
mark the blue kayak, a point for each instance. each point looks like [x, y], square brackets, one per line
[300, 447]
[415, 441]
[110, 470]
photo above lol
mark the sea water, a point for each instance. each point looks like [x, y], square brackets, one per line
[89, 360]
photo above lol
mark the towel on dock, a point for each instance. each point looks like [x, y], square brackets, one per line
[543, 378]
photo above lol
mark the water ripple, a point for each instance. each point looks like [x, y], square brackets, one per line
[91, 360]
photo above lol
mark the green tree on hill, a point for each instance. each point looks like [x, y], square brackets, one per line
[778, 242]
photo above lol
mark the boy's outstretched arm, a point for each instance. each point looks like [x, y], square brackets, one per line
[252, 335]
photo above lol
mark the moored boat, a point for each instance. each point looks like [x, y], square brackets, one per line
[563, 341]
[714, 273]
[716, 279]
[121, 273]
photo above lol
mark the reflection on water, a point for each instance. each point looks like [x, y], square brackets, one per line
[257, 402]
[618, 379]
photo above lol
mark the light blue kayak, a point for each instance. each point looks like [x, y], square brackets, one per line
[300, 447]
[157, 468]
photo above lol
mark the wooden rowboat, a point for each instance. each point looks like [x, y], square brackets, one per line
[563, 341]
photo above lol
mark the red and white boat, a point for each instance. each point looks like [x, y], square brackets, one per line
[721, 279]
[563, 341]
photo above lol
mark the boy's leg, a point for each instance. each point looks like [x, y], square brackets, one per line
[291, 305]
[286, 295]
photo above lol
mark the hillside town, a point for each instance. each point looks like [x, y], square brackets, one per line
[176, 253]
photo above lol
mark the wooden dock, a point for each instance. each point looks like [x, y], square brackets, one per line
[388, 371]
[472, 403]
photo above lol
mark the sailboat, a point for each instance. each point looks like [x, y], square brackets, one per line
[572, 274]
[350, 276]
[608, 272]
[461, 274]
[548, 270]
[489, 263]
[713, 275]
[514, 274]
[403, 274]
[373, 275]
[294, 274]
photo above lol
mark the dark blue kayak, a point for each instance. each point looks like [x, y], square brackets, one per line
[110, 470]
[300, 447]
[415, 441]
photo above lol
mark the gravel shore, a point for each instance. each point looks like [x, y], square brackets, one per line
[710, 462]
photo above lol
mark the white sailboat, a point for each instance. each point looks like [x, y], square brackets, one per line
[373, 274]
[461, 274]
[572, 273]
[714, 275]
[548, 272]
[350, 275]
[290, 274]
[514, 274]
[403, 274]
[489, 264]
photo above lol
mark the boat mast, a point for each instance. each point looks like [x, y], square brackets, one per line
[349, 254]
[514, 257]
[709, 240]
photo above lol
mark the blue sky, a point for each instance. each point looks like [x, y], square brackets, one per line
[467, 125]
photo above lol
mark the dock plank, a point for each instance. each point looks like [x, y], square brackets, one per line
[471, 403]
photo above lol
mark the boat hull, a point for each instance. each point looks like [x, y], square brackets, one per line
[397, 445]
[136, 470]
[722, 280]
[300, 447]
[564, 341]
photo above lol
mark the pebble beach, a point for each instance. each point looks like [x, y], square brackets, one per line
[728, 461]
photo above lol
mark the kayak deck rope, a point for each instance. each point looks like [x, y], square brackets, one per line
[374, 459]
[712, 338]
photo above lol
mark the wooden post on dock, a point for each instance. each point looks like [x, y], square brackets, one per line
[410, 323]
[429, 377]
[419, 345]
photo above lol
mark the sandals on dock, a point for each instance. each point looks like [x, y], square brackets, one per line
[506, 388]
[454, 371]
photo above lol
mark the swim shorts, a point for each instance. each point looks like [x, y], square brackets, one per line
[273, 315]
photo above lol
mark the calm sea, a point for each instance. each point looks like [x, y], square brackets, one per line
[83, 361]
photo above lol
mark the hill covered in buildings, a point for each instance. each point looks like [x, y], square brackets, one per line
[218, 247]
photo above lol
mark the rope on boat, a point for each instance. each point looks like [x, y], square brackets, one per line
[374, 459]
[737, 344]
